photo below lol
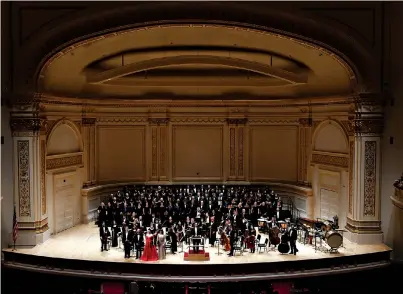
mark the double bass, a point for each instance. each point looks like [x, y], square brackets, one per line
[225, 242]
[273, 236]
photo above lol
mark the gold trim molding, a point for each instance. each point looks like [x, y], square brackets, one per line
[24, 178]
[332, 160]
[370, 178]
[57, 161]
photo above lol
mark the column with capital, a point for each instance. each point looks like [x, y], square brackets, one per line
[29, 157]
[364, 211]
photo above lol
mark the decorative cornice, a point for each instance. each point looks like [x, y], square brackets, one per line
[88, 121]
[273, 121]
[305, 122]
[158, 121]
[28, 124]
[237, 121]
[332, 160]
[367, 126]
[61, 162]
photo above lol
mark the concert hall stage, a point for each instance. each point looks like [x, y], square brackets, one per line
[76, 252]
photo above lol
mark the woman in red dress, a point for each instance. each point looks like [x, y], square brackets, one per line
[150, 251]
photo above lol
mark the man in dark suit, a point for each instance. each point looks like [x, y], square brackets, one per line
[233, 236]
[196, 232]
[139, 243]
[103, 235]
[127, 239]
[293, 240]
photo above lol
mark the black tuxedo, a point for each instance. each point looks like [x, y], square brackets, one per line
[232, 240]
[127, 239]
[293, 235]
[104, 234]
[139, 243]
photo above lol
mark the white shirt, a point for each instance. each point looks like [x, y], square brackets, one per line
[195, 231]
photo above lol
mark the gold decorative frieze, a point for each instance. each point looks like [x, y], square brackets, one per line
[43, 175]
[121, 120]
[197, 120]
[24, 178]
[269, 121]
[232, 152]
[370, 178]
[305, 122]
[64, 161]
[240, 152]
[158, 121]
[351, 177]
[237, 121]
[154, 151]
[88, 121]
[327, 159]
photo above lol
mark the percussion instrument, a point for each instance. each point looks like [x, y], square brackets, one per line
[283, 248]
[283, 224]
[261, 222]
[333, 239]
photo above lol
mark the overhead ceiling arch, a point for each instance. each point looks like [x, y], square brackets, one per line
[106, 19]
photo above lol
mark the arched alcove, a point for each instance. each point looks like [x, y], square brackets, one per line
[64, 138]
[330, 137]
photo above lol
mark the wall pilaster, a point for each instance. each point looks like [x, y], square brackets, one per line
[159, 149]
[237, 145]
[364, 219]
[29, 144]
[305, 135]
[89, 142]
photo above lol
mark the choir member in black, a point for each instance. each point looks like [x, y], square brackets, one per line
[127, 239]
[196, 232]
[293, 235]
[138, 243]
[104, 234]
[115, 233]
[233, 237]
[101, 214]
[174, 240]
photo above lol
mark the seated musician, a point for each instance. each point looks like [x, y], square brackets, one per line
[196, 234]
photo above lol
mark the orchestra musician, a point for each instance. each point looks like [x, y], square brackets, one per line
[232, 239]
[293, 235]
[174, 240]
[104, 234]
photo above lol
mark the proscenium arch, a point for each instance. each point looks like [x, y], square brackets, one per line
[72, 126]
[320, 126]
[76, 29]
[198, 59]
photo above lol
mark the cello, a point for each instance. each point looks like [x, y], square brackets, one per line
[225, 242]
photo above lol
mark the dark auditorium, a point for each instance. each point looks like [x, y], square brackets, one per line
[201, 147]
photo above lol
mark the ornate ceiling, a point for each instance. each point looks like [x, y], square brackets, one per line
[195, 61]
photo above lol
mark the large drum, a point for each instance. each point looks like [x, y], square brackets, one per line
[333, 239]
[283, 248]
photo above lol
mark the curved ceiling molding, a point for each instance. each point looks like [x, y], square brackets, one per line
[252, 66]
[263, 65]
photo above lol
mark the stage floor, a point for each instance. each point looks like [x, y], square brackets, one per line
[82, 243]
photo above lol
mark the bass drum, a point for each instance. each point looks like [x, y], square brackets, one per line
[283, 248]
[333, 239]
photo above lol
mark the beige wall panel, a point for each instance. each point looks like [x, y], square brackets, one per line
[121, 153]
[197, 152]
[273, 153]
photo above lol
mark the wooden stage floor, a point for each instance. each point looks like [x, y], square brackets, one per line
[82, 243]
